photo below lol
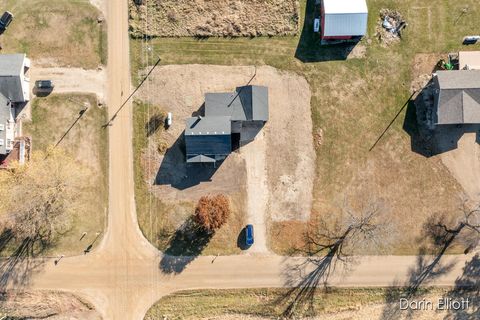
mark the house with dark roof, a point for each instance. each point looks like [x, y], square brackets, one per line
[456, 97]
[243, 112]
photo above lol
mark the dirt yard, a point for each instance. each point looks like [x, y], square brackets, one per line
[73, 80]
[43, 305]
[230, 18]
[282, 159]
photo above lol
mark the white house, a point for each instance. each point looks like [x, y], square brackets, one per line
[7, 125]
[14, 89]
[14, 82]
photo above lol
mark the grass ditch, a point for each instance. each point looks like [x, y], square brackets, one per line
[261, 303]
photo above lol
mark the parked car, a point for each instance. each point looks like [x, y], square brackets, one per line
[249, 235]
[169, 120]
[42, 86]
[5, 20]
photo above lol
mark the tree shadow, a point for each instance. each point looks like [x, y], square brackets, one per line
[426, 138]
[303, 279]
[186, 244]
[17, 269]
[310, 49]
[467, 286]
[153, 124]
[427, 268]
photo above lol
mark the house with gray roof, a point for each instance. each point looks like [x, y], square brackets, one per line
[7, 125]
[456, 97]
[208, 139]
[14, 83]
[244, 112]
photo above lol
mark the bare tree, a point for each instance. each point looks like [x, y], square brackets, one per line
[212, 212]
[444, 229]
[329, 242]
[441, 231]
[40, 198]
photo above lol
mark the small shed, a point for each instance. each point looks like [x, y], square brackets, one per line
[343, 19]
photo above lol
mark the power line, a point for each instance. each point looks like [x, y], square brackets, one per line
[109, 123]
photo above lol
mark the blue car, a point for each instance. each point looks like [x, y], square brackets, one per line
[249, 235]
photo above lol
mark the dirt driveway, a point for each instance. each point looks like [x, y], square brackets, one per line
[72, 80]
[460, 153]
[279, 184]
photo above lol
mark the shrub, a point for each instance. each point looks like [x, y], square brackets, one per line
[212, 212]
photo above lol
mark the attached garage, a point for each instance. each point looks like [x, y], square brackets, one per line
[343, 19]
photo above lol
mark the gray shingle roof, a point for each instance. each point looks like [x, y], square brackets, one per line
[457, 97]
[208, 126]
[206, 138]
[11, 64]
[11, 68]
[248, 103]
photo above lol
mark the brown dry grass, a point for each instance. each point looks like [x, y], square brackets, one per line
[198, 18]
[56, 33]
[45, 304]
[86, 141]
[263, 304]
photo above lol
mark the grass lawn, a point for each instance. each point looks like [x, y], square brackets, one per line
[56, 33]
[88, 142]
[353, 102]
[239, 303]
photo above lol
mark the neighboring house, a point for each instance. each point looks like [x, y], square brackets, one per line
[243, 112]
[456, 97]
[7, 125]
[469, 60]
[343, 19]
[14, 90]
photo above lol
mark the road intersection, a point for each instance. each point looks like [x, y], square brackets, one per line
[122, 277]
